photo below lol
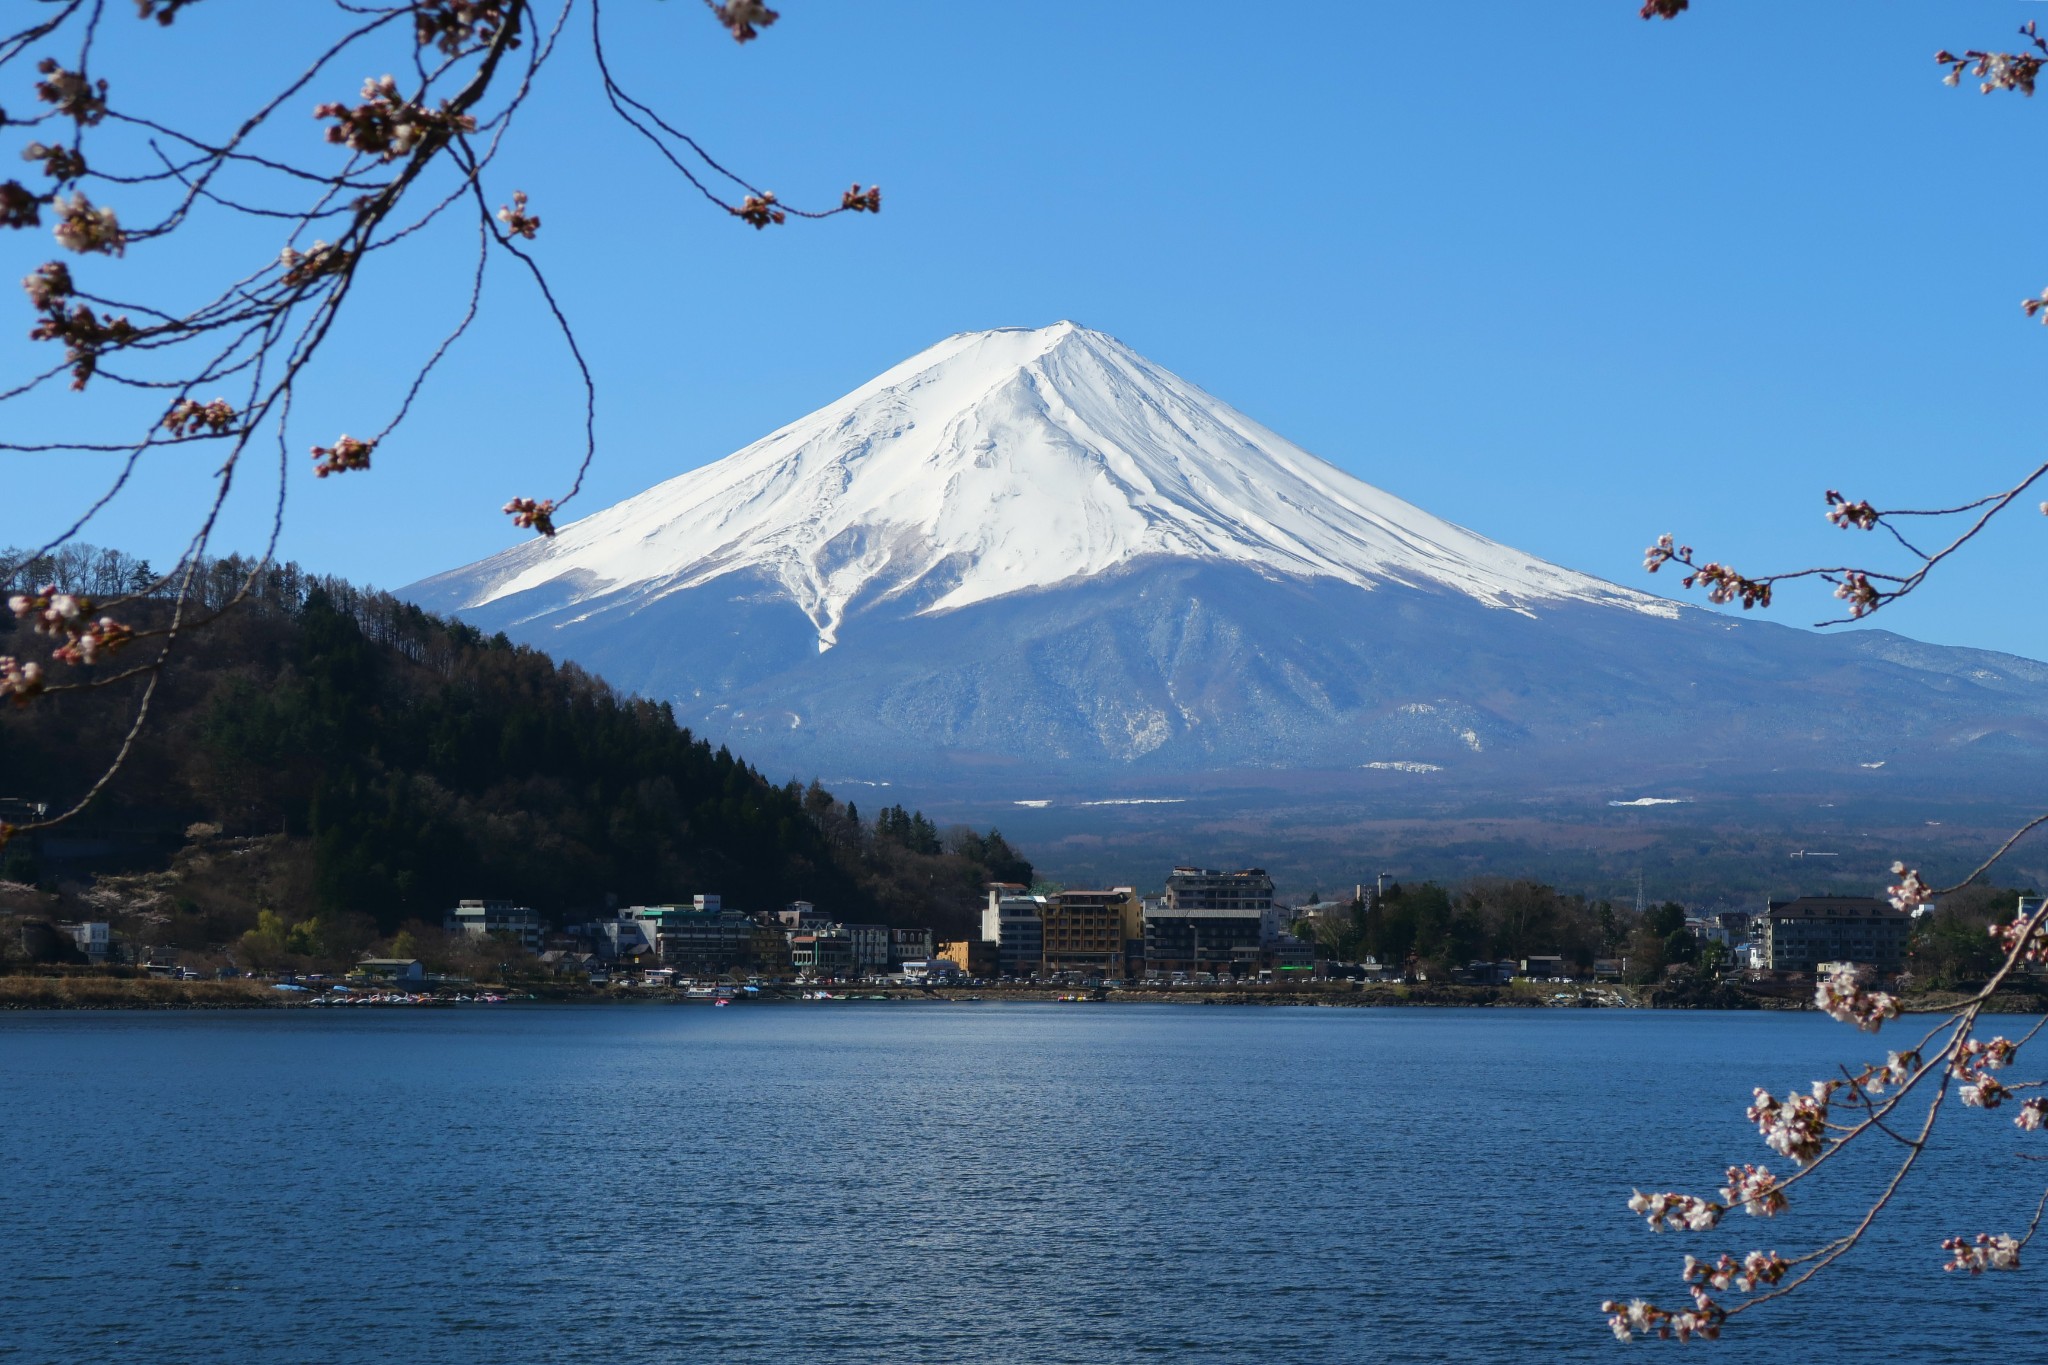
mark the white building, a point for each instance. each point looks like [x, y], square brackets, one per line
[1015, 923]
[94, 938]
[479, 919]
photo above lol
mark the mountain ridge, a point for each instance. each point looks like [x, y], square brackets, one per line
[1031, 552]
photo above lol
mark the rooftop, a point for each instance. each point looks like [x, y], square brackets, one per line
[1826, 907]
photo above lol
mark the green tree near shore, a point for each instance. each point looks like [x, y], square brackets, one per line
[411, 762]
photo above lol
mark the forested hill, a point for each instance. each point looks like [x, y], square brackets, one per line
[419, 762]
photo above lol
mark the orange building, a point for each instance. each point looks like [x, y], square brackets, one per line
[1085, 931]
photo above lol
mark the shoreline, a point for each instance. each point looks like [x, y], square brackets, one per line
[19, 993]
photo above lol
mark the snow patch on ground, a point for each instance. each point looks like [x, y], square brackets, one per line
[1137, 801]
[1655, 801]
[1403, 766]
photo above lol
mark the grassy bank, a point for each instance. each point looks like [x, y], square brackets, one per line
[80, 992]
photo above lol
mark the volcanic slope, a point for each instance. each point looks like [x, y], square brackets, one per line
[1031, 554]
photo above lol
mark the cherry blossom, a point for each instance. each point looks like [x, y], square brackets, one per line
[1840, 997]
[759, 209]
[456, 26]
[19, 682]
[75, 97]
[1998, 70]
[516, 219]
[1794, 1127]
[539, 515]
[1856, 589]
[1676, 1212]
[1988, 1252]
[345, 454]
[1846, 514]
[388, 126]
[188, 416]
[20, 207]
[84, 227]
[1911, 892]
[60, 163]
[103, 636]
[303, 267]
[1755, 1189]
[50, 281]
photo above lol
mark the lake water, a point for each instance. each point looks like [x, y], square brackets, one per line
[915, 1182]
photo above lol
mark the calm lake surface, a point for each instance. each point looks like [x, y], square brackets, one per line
[921, 1182]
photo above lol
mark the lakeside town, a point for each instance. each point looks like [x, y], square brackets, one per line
[1203, 932]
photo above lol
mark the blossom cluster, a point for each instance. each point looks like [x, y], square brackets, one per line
[2027, 930]
[19, 682]
[67, 616]
[1795, 1126]
[744, 18]
[20, 207]
[60, 163]
[1898, 1068]
[758, 209]
[1973, 1064]
[188, 416]
[1665, 9]
[1988, 1252]
[1840, 997]
[1757, 1268]
[454, 26]
[1678, 1212]
[1998, 70]
[75, 97]
[388, 126]
[1911, 892]
[1845, 514]
[83, 226]
[858, 200]
[345, 454]
[85, 336]
[1755, 1189]
[95, 638]
[539, 515]
[516, 219]
[303, 267]
[1627, 1320]
[2032, 1116]
[1724, 585]
[1856, 589]
[51, 280]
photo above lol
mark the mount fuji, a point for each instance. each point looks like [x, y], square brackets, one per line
[1027, 556]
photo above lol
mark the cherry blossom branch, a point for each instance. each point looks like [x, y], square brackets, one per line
[264, 332]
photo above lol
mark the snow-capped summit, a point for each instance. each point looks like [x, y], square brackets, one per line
[1033, 552]
[1004, 461]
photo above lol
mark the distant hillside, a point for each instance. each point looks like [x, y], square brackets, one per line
[408, 761]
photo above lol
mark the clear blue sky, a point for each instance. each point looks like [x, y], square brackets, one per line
[1566, 277]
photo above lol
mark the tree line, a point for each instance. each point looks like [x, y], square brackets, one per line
[412, 761]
